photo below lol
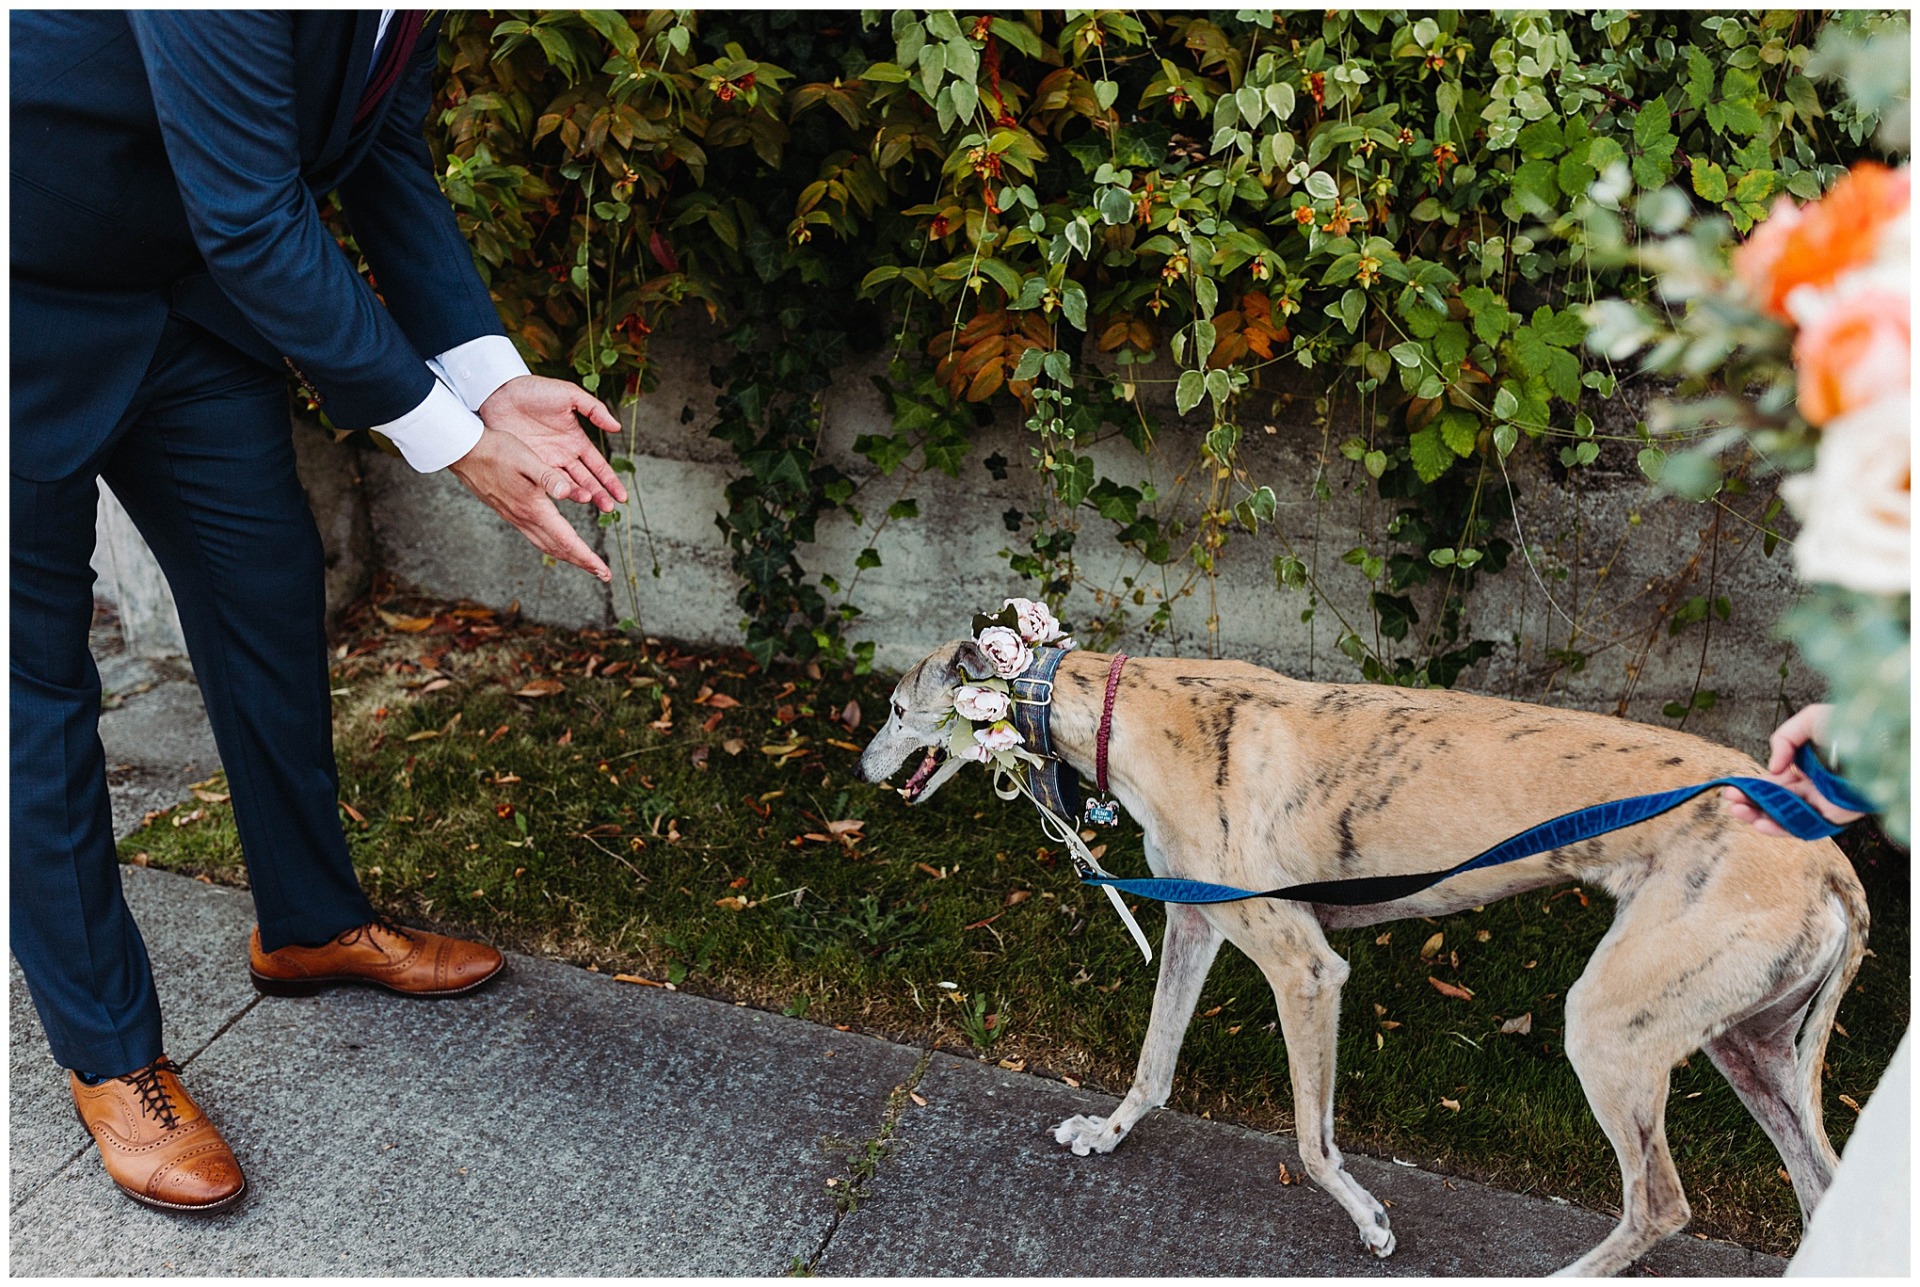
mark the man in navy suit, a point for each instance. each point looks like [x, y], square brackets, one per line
[169, 269]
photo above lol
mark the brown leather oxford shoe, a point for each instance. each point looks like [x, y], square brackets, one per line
[411, 962]
[157, 1144]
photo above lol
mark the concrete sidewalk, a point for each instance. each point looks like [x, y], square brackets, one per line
[562, 1123]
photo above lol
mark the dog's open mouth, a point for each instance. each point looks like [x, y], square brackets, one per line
[932, 773]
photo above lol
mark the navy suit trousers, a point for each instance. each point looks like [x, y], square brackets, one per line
[203, 462]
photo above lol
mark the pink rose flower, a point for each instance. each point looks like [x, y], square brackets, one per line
[1037, 624]
[1001, 737]
[981, 705]
[1006, 650]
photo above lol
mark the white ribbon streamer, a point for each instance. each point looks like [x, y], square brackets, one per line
[1063, 832]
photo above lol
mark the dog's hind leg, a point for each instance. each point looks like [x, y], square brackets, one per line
[1756, 1056]
[1778, 1077]
[1186, 954]
[1306, 975]
[1623, 1046]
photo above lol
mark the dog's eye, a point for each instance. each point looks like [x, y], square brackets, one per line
[899, 711]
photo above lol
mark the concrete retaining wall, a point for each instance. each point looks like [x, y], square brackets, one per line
[1605, 553]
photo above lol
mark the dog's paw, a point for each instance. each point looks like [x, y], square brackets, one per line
[1086, 1135]
[1378, 1236]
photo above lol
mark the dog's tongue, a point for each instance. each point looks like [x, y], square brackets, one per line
[921, 774]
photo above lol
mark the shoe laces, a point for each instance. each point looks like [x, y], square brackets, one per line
[360, 932]
[156, 1099]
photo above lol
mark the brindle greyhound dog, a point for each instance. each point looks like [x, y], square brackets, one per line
[1723, 938]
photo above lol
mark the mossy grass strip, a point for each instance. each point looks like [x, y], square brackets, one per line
[588, 831]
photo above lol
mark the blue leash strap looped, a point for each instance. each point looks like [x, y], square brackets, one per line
[1798, 818]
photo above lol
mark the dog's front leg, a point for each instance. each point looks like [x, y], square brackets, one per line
[1186, 954]
[1306, 975]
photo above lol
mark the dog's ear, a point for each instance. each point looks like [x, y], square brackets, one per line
[970, 661]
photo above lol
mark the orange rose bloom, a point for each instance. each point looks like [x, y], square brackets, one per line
[1814, 244]
[1856, 351]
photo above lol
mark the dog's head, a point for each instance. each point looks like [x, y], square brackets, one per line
[918, 719]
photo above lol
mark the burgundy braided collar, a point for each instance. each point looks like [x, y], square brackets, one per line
[1106, 723]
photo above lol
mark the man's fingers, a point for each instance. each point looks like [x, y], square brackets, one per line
[595, 410]
[601, 472]
[552, 534]
[587, 488]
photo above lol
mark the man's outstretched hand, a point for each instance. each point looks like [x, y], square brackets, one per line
[504, 472]
[533, 452]
[1809, 725]
[540, 413]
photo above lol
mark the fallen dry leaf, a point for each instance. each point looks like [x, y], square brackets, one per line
[542, 688]
[1014, 1065]
[722, 702]
[845, 746]
[423, 735]
[1431, 948]
[1450, 990]
[711, 722]
[733, 746]
[917, 1098]
[141, 859]
[731, 903]
[566, 739]
[635, 978]
[739, 882]
[1521, 1025]
[216, 797]
[1850, 1102]
[1384, 939]
[1015, 897]
[850, 715]
[352, 812]
[406, 625]
[435, 686]
[1209, 1014]
[934, 872]
[1453, 1104]
[183, 819]
[1286, 1176]
[699, 757]
[1482, 936]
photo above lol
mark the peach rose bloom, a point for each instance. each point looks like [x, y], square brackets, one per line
[1856, 503]
[1814, 245]
[1854, 348]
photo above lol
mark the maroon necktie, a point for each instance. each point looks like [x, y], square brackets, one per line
[403, 34]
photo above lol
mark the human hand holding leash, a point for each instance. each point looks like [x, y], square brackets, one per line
[1807, 725]
[520, 486]
[541, 413]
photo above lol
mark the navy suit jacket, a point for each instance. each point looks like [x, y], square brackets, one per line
[172, 161]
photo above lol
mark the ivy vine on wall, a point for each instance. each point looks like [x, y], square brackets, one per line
[1060, 214]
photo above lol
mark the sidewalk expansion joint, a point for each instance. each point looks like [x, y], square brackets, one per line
[87, 1148]
[864, 1159]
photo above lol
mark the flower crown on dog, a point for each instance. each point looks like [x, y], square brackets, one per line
[981, 727]
[982, 730]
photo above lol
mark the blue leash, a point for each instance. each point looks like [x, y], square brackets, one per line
[1795, 815]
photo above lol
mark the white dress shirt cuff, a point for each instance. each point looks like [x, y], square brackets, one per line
[436, 433]
[475, 369]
